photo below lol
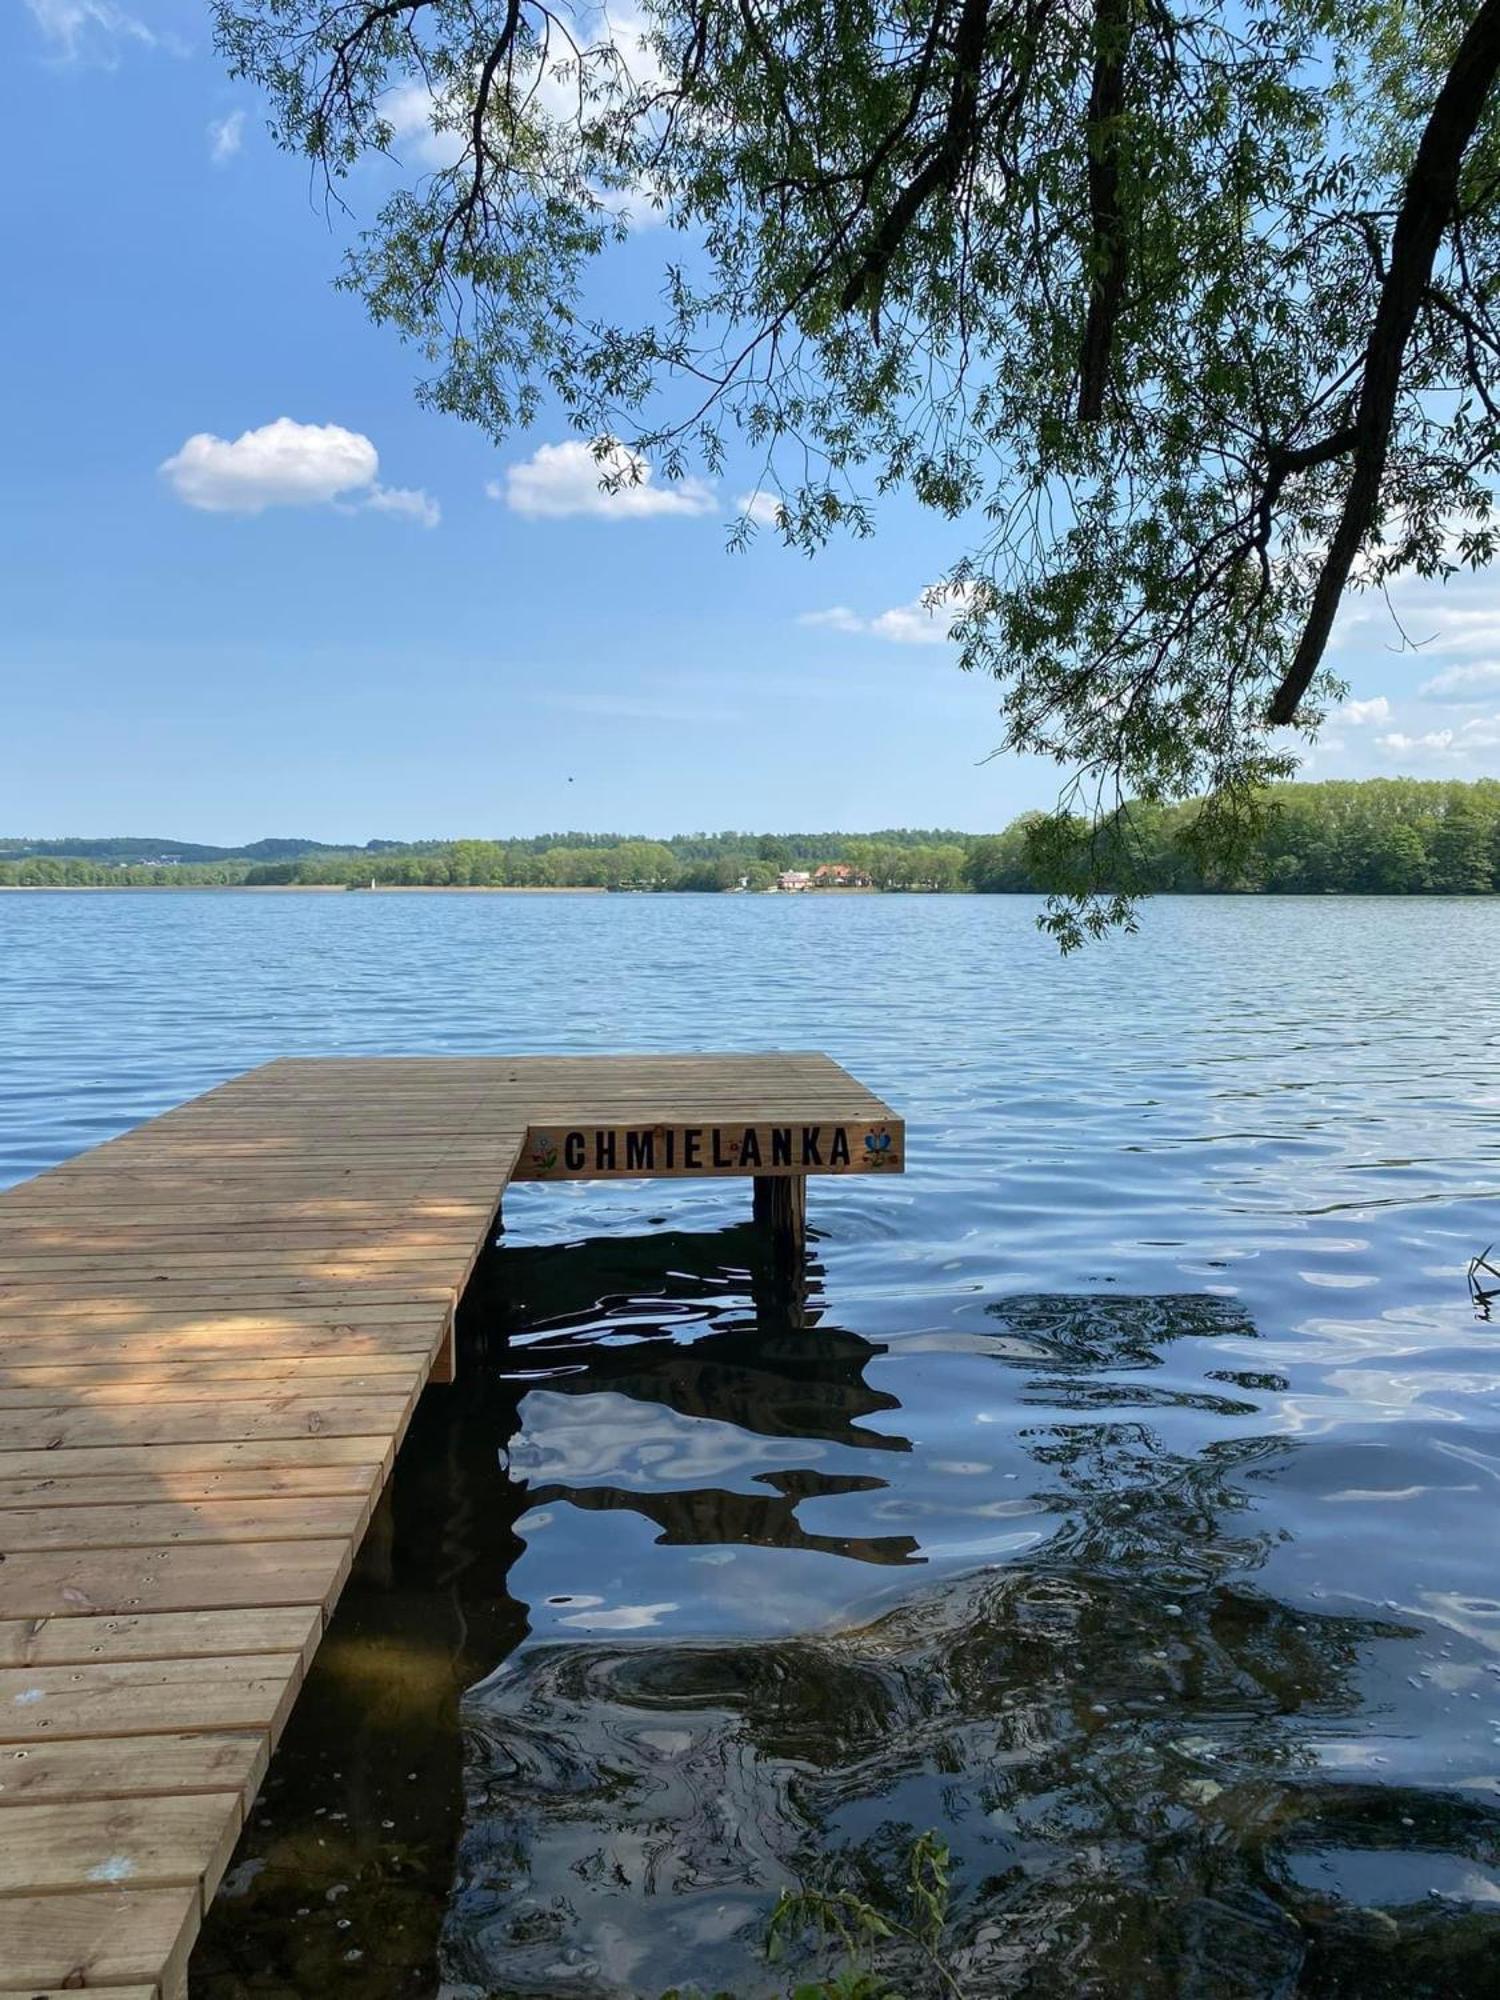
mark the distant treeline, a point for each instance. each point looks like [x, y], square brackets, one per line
[44, 872]
[140, 850]
[1371, 837]
[897, 860]
[1381, 836]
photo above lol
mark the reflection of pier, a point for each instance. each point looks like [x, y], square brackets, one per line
[757, 1359]
[216, 1330]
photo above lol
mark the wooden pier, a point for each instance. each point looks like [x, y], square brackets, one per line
[213, 1333]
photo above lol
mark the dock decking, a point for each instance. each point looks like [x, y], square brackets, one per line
[213, 1333]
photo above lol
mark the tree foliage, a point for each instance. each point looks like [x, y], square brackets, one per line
[1184, 310]
[1384, 836]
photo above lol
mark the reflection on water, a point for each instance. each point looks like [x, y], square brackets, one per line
[1156, 1775]
[1119, 1496]
[654, 1403]
[1134, 1807]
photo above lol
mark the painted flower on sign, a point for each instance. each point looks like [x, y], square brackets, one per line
[543, 1155]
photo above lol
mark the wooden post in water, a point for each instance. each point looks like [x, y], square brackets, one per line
[780, 1206]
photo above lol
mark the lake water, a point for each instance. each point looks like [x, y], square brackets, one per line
[1122, 1501]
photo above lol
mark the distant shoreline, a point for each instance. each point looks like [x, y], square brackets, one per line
[291, 889]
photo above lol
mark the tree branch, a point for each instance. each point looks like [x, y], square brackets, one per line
[1108, 259]
[1427, 207]
[944, 162]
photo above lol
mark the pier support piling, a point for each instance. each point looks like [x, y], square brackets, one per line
[445, 1361]
[780, 1207]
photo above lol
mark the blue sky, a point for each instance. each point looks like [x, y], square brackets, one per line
[367, 620]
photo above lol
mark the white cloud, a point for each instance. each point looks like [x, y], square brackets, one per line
[417, 119]
[562, 480]
[283, 464]
[1435, 743]
[431, 128]
[94, 30]
[1478, 737]
[410, 501]
[925, 622]
[225, 137]
[837, 618]
[1481, 734]
[624, 1618]
[762, 508]
[1356, 713]
[623, 30]
[1463, 686]
[1457, 630]
[287, 464]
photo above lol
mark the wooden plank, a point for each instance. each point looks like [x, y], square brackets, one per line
[274, 1482]
[167, 1386]
[121, 1767]
[277, 1415]
[237, 1293]
[332, 1371]
[169, 1523]
[148, 1697]
[109, 1461]
[31, 1207]
[57, 1993]
[98, 1937]
[142, 1351]
[188, 1577]
[165, 1635]
[300, 1320]
[149, 1843]
[328, 1259]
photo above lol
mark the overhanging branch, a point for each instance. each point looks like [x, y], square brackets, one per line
[1108, 255]
[1427, 207]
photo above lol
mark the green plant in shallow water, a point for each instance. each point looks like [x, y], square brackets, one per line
[841, 1920]
[844, 1919]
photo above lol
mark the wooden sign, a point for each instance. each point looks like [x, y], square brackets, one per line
[669, 1152]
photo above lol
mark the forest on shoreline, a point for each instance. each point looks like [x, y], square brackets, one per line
[1377, 836]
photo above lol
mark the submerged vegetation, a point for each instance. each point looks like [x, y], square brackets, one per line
[1379, 836]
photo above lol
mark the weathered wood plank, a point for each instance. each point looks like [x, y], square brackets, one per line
[88, 1461]
[121, 1767]
[47, 1704]
[254, 1482]
[168, 1523]
[169, 1386]
[187, 1577]
[277, 1415]
[56, 1993]
[333, 1371]
[133, 1636]
[150, 1843]
[99, 1938]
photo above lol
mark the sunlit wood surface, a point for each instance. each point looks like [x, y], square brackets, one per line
[213, 1332]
